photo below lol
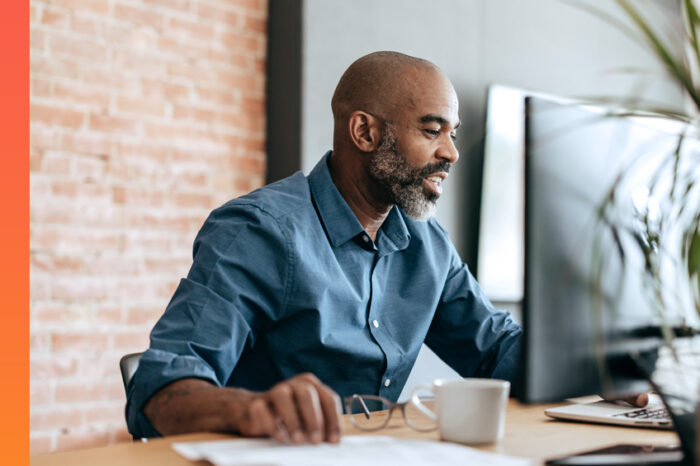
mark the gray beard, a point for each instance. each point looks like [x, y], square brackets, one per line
[402, 180]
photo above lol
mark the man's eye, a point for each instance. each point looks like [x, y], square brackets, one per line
[432, 132]
[453, 136]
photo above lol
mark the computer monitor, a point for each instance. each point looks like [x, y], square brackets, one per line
[580, 339]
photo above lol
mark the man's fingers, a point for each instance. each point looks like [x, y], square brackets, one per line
[639, 400]
[261, 420]
[283, 403]
[309, 408]
[331, 408]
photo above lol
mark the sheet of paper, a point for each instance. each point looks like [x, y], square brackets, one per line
[353, 450]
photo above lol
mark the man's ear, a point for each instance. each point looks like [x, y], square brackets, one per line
[364, 130]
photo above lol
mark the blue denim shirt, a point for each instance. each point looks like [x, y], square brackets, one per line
[285, 280]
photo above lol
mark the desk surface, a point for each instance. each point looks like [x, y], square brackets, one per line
[529, 433]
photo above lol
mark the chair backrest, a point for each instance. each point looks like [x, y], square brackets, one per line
[128, 365]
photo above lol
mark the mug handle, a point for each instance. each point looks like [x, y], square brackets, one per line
[415, 401]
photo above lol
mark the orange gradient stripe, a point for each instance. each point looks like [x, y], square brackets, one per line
[14, 232]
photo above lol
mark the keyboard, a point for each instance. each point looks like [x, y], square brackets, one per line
[657, 414]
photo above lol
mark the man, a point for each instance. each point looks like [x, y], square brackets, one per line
[342, 274]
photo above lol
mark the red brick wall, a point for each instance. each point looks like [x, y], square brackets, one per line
[145, 114]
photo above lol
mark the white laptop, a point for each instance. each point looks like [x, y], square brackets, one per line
[595, 409]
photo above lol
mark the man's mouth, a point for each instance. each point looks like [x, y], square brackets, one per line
[434, 182]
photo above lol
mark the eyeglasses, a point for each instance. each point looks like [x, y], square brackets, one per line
[371, 412]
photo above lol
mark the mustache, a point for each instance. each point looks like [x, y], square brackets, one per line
[436, 167]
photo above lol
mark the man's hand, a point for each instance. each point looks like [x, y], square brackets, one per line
[297, 410]
[639, 400]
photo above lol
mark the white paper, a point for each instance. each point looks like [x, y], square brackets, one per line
[352, 450]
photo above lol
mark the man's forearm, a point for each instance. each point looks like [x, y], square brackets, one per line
[194, 405]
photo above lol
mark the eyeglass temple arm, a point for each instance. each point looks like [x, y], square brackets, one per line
[364, 407]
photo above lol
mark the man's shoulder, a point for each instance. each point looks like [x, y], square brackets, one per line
[277, 199]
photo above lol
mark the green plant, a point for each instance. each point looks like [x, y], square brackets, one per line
[664, 228]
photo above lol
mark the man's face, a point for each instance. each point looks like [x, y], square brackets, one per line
[414, 158]
[414, 189]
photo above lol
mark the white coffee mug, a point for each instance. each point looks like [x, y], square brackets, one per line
[471, 411]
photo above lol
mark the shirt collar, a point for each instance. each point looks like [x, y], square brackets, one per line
[339, 220]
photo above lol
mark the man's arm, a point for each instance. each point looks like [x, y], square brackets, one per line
[468, 333]
[297, 410]
[235, 292]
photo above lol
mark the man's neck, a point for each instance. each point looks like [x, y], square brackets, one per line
[352, 183]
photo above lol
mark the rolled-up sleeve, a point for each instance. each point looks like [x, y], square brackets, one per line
[469, 334]
[236, 287]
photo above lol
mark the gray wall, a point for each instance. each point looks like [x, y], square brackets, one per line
[541, 45]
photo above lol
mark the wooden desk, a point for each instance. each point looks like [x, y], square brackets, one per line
[529, 433]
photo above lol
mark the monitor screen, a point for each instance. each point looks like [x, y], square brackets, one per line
[576, 314]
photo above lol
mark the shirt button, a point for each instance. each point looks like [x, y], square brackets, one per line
[387, 382]
[365, 238]
[375, 323]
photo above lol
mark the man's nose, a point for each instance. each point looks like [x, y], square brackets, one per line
[448, 151]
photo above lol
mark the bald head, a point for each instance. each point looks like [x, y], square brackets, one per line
[377, 83]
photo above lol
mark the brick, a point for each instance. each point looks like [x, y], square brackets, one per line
[218, 14]
[139, 16]
[149, 315]
[34, 13]
[78, 189]
[190, 29]
[138, 196]
[80, 440]
[253, 5]
[80, 392]
[74, 342]
[39, 87]
[132, 341]
[41, 262]
[84, 24]
[40, 394]
[56, 163]
[84, 142]
[39, 186]
[37, 39]
[49, 314]
[148, 64]
[161, 88]
[78, 93]
[38, 288]
[253, 105]
[141, 106]
[40, 445]
[93, 6]
[109, 316]
[203, 201]
[106, 413]
[244, 82]
[56, 116]
[54, 418]
[253, 144]
[255, 24]
[55, 18]
[238, 41]
[113, 124]
[215, 96]
[72, 238]
[42, 65]
[180, 5]
[106, 78]
[77, 48]
[79, 289]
